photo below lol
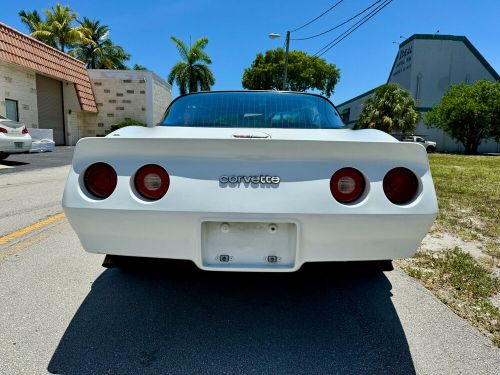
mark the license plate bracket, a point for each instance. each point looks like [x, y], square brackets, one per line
[247, 245]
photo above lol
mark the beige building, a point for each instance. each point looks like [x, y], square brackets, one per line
[122, 95]
[47, 89]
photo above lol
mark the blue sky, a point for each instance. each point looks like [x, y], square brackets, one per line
[237, 30]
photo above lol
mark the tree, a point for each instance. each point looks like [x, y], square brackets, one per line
[305, 72]
[390, 109]
[469, 113]
[34, 22]
[95, 48]
[192, 74]
[58, 27]
[139, 67]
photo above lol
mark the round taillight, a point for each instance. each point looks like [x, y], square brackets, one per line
[400, 185]
[100, 180]
[152, 181]
[347, 185]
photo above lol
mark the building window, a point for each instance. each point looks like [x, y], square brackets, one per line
[418, 89]
[130, 91]
[11, 109]
[106, 91]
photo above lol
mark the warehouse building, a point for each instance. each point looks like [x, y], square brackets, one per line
[426, 65]
[47, 89]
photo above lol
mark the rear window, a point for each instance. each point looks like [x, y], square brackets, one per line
[253, 110]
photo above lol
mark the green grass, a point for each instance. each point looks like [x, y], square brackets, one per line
[468, 190]
[461, 282]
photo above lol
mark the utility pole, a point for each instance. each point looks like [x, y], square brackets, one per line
[287, 46]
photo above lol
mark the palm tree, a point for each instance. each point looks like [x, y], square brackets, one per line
[139, 67]
[192, 73]
[34, 22]
[96, 50]
[59, 27]
[390, 109]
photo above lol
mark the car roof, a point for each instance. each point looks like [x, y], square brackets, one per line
[262, 91]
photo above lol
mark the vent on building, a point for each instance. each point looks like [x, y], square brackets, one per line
[119, 94]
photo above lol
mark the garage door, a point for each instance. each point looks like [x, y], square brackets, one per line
[50, 107]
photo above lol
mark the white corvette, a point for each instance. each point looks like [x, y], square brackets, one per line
[250, 181]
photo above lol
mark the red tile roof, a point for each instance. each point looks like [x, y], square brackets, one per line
[23, 50]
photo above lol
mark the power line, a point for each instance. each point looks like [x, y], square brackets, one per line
[353, 28]
[321, 15]
[340, 24]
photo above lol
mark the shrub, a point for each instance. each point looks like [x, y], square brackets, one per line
[123, 124]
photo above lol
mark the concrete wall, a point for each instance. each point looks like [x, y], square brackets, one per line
[162, 97]
[128, 95]
[78, 123]
[19, 84]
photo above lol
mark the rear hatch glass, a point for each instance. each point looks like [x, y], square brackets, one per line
[250, 109]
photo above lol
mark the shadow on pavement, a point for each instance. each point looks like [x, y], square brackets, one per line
[177, 319]
[11, 163]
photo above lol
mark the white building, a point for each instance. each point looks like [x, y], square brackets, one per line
[426, 65]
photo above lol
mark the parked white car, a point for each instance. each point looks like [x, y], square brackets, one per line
[250, 181]
[430, 146]
[14, 138]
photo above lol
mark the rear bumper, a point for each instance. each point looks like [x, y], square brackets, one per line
[8, 145]
[320, 237]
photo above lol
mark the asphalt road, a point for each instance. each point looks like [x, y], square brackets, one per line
[62, 313]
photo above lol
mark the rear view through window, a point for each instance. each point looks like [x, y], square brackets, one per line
[250, 109]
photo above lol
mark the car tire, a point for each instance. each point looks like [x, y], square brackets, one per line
[3, 156]
[431, 149]
[116, 261]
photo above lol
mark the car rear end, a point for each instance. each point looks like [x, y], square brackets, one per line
[250, 199]
[14, 137]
